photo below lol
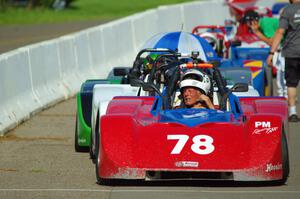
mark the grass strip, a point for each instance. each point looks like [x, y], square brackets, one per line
[81, 10]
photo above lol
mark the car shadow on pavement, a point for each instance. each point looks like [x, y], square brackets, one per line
[191, 183]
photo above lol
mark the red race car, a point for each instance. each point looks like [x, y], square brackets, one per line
[242, 139]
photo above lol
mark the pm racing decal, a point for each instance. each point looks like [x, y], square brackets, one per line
[264, 127]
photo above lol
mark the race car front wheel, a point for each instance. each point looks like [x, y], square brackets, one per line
[94, 146]
[100, 180]
[285, 158]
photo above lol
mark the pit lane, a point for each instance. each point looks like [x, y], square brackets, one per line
[38, 161]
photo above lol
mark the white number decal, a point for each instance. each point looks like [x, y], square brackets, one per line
[202, 144]
[182, 139]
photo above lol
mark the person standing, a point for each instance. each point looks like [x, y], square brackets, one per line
[264, 28]
[289, 26]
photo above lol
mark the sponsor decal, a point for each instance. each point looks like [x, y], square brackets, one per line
[82, 140]
[264, 127]
[264, 130]
[273, 167]
[200, 114]
[262, 124]
[186, 164]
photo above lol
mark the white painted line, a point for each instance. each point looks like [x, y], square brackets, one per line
[56, 190]
[145, 190]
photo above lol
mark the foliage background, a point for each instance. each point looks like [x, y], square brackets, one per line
[40, 11]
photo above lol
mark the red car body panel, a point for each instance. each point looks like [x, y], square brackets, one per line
[134, 141]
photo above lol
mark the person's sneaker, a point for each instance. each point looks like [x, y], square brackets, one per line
[293, 118]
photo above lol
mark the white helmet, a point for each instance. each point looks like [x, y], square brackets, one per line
[211, 39]
[197, 79]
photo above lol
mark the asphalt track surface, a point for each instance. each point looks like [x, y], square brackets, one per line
[14, 36]
[37, 160]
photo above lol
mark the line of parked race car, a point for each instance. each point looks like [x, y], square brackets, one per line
[128, 124]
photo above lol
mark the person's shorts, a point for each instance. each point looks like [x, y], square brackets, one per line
[292, 71]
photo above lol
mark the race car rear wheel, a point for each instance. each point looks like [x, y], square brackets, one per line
[285, 158]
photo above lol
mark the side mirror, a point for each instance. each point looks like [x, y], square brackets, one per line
[240, 87]
[236, 43]
[121, 71]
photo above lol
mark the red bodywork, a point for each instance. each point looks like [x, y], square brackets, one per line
[237, 9]
[134, 142]
[214, 29]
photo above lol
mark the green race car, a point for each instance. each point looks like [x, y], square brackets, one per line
[84, 106]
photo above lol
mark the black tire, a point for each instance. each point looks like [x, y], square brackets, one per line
[78, 148]
[94, 156]
[101, 181]
[285, 158]
[91, 150]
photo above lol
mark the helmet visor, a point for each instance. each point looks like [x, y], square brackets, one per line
[193, 76]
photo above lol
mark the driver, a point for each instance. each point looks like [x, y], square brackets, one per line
[194, 88]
